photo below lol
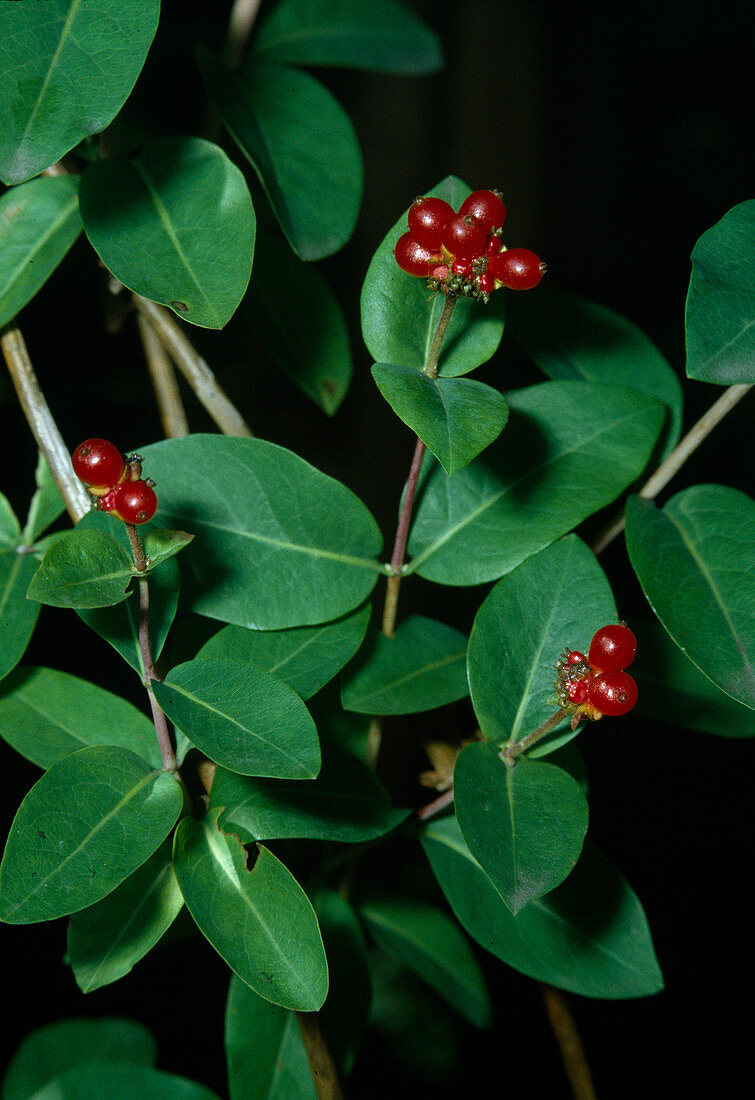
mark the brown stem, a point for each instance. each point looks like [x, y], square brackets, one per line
[512, 748]
[399, 546]
[569, 1043]
[172, 414]
[436, 806]
[431, 363]
[194, 369]
[320, 1059]
[678, 457]
[43, 426]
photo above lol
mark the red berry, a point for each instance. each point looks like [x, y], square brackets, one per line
[577, 690]
[613, 693]
[485, 283]
[98, 463]
[413, 258]
[517, 268]
[575, 657]
[612, 647]
[428, 218]
[494, 245]
[463, 268]
[465, 237]
[487, 207]
[135, 502]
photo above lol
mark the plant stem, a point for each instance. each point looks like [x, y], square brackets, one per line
[170, 764]
[172, 414]
[433, 355]
[240, 23]
[43, 427]
[390, 607]
[569, 1043]
[678, 457]
[436, 806]
[513, 748]
[321, 1061]
[194, 369]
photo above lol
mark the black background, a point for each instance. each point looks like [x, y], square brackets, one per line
[617, 133]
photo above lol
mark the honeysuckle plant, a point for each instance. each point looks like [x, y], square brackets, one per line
[254, 789]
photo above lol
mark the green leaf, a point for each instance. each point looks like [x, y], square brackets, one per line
[422, 667]
[259, 920]
[46, 504]
[569, 449]
[242, 717]
[18, 615]
[159, 545]
[432, 945]
[384, 38]
[262, 515]
[83, 569]
[520, 631]
[704, 539]
[720, 318]
[572, 337]
[10, 528]
[673, 689]
[54, 1048]
[68, 69]
[46, 715]
[304, 657]
[96, 1078]
[305, 331]
[346, 803]
[455, 417]
[83, 828]
[39, 221]
[346, 1012]
[524, 824]
[399, 316]
[589, 936]
[275, 1066]
[107, 939]
[175, 224]
[301, 144]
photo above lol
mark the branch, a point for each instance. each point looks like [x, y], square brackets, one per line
[172, 414]
[320, 1059]
[43, 426]
[569, 1043]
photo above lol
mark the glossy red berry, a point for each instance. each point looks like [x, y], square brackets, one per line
[575, 657]
[578, 691]
[613, 693]
[465, 237]
[414, 258]
[487, 207]
[494, 245]
[428, 218]
[134, 502]
[98, 463]
[612, 647]
[517, 268]
[485, 283]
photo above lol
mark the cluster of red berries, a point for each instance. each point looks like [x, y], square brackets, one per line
[115, 481]
[462, 253]
[597, 684]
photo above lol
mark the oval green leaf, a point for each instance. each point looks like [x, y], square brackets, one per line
[18, 615]
[569, 449]
[420, 668]
[524, 825]
[46, 504]
[385, 38]
[399, 316]
[259, 920]
[520, 631]
[68, 69]
[83, 569]
[262, 515]
[300, 143]
[720, 316]
[455, 417]
[695, 560]
[10, 528]
[589, 936]
[83, 828]
[242, 717]
[39, 221]
[95, 1078]
[175, 224]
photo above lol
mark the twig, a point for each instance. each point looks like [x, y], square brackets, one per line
[436, 806]
[513, 748]
[569, 1043]
[390, 607]
[194, 369]
[44, 429]
[678, 457]
[172, 414]
[240, 23]
[321, 1061]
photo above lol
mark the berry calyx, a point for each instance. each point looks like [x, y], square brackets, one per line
[517, 268]
[428, 218]
[134, 502]
[99, 464]
[487, 207]
[612, 648]
[613, 693]
[465, 237]
[414, 258]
